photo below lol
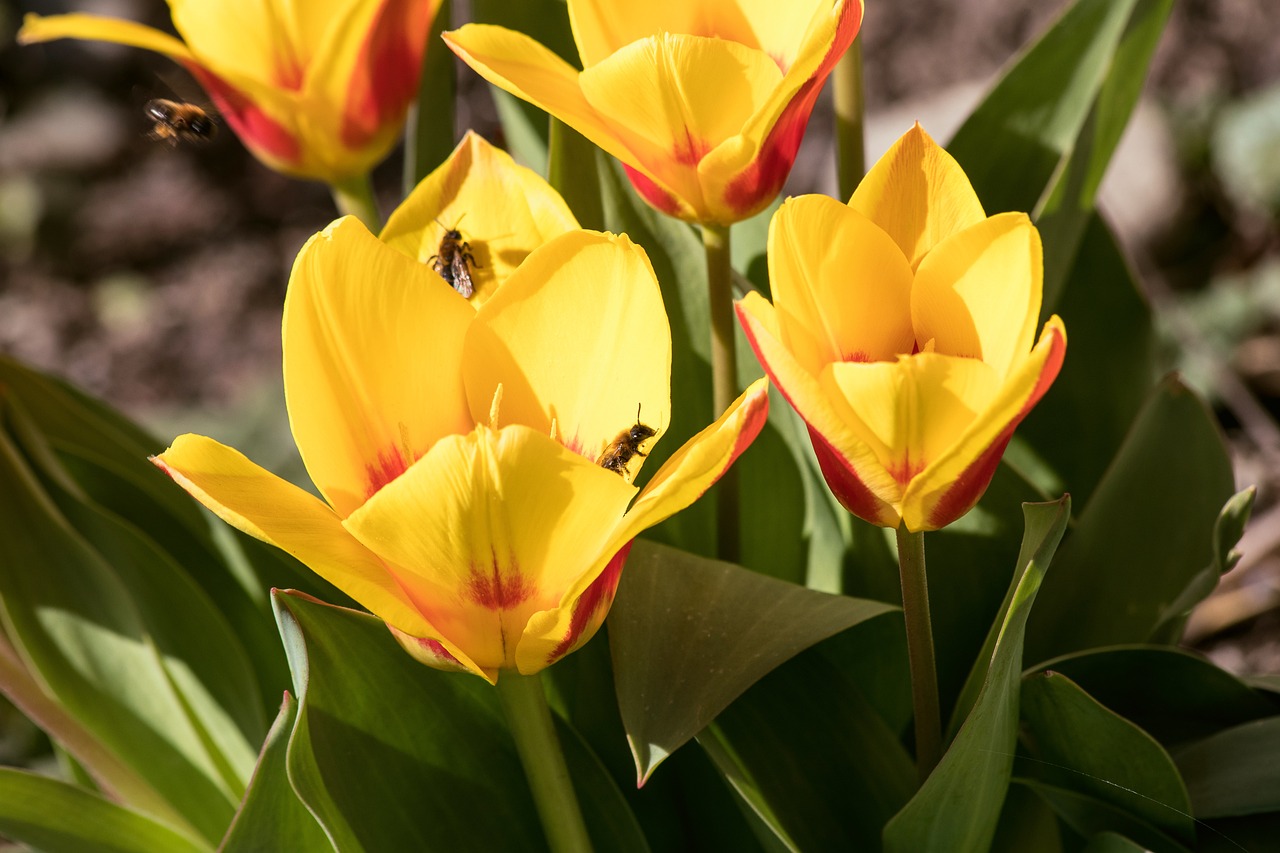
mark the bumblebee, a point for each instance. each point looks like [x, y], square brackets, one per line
[453, 261]
[177, 121]
[626, 445]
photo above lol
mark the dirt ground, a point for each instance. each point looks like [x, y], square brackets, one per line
[153, 276]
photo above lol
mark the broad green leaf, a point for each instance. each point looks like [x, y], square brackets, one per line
[429, 131]
[1110, 367]
[75, 623]
[1090, 816]
[1174, 695]
[688, 635]
[1027, 824]
[1111, 842]
[1233, 772]
[572, 171]
[54, 816]
[1081, 745]
[1145, 534]
[391, 755]
[271, 817]
[958, 806]
[812, 756]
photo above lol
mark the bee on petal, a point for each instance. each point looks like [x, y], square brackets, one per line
[625, 446]
[453, 261]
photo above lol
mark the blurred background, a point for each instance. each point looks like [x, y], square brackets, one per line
[152, 276]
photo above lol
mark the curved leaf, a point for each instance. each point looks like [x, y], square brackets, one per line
[1233, 772]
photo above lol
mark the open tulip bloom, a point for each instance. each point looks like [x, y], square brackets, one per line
[902, 331]
[315, 90]
[457, 448]
[703, 101]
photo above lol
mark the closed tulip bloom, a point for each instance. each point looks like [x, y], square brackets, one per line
[703, 101]
[903, 331]
[458, 449]
[501, 211]
[315, 90]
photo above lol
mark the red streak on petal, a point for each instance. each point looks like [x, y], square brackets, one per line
[691, 150]
[973, 481]
[763, 178]
[498, 591]
[860, 356]
[435, 649]
[387, 70]
[255, 128]
[597, 598]
[652, 193]
[848, 488]
[906, 470]
[391, 464]
[288, 75]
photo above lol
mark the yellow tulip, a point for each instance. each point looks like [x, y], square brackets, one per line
[902, 331]
[703, 101]
[457, 449]
[501, 210]
[315, 90]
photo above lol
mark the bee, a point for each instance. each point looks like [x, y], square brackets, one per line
[626, 445]
[453, 260]
[178, 121]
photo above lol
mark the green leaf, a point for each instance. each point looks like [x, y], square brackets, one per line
[1081, 745]
[958, 806]
[1174, 695]
[1145, 534]
[122, 667]
[271, 817]
[54, 816]
[1233, 772]
[1089, 816]
[1027, 823]
[1111, 842]
[571, 170]
[688, 635]
[389, 754]
[810, 753]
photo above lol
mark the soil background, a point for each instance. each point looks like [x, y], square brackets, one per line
[152, 276]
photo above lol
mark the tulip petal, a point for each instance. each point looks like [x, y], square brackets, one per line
[977, 294]
[578, 334]
[955, 480]
[672, 99]
[368, 391]
[503, 210]
[266, 507]
[918, 193]
[911, 410]
[841, 287]
[37, 28]
[260, 40]
[489, 528]
[518, 64]
[865, 487]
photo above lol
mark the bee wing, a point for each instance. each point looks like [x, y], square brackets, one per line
[461, 275]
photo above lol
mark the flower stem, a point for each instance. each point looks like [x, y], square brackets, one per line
[924, 671]
[354, 196]
[724, 373]
[851, 156]
[525, 704]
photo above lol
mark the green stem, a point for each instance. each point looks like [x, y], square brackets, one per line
[924, 671]
[354, 196]
[851, 155]
[525, 704]
[428, 132]
[724, 373]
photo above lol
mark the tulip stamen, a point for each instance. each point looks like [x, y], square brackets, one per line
[495, 406]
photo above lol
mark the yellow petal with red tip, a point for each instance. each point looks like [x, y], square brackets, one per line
[517, 63]
[977, 294]
[672, 99]
[260, 40]
[36, 28]
[504, 211]
[871, 493]
[953, 482]
[261, 504]
[842, 287]
[368, 388]
[918, 193]
[489, 528]
[577, 335]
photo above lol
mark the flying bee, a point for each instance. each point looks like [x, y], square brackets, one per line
[178, 121]
[626, 445]
[453, 260]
